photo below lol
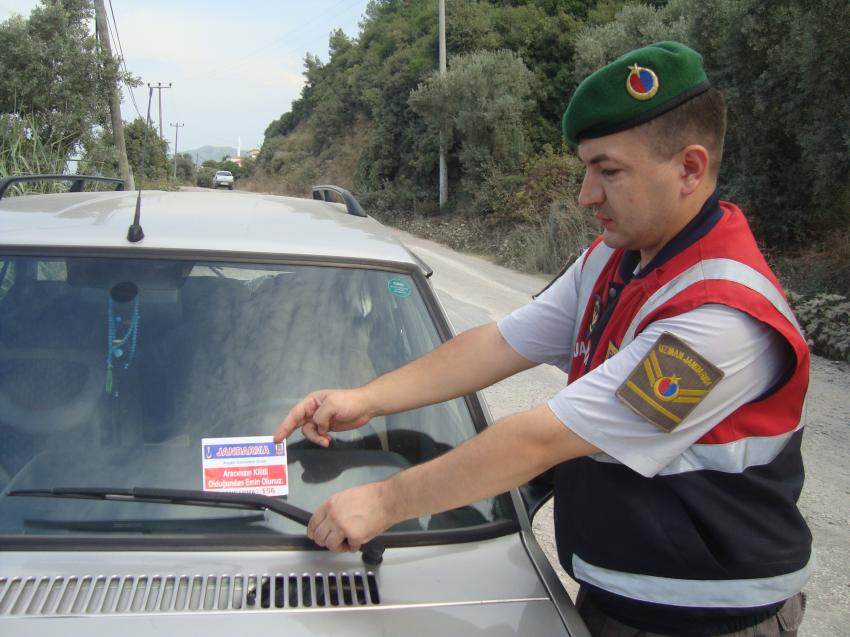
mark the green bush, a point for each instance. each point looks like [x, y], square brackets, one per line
[825, 319]
[548, 227]
[203, 177]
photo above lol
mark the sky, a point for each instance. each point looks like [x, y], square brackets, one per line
[233, 66]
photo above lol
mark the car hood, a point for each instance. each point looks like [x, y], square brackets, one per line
[527, 618]
[489, 587]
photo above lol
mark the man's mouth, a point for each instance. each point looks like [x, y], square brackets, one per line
[604, 221]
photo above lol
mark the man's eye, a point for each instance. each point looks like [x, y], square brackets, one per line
[610, 172]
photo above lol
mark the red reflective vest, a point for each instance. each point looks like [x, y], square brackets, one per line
[716, 536]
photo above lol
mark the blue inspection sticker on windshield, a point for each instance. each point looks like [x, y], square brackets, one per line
[399, 287]
[252, 464]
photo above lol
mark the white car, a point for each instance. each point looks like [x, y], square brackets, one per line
[223, 178]
[143, 370]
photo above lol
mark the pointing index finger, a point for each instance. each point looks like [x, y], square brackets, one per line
[296, 417]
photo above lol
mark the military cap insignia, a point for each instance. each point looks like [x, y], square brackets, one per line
[668, 383]
[642, 83]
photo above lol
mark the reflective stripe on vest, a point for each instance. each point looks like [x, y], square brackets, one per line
[592, 267]
[723, 269]
[730, 457]
[725, 593]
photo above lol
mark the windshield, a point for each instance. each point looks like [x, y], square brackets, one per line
[113, 372]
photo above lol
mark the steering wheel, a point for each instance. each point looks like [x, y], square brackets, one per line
[76, 411]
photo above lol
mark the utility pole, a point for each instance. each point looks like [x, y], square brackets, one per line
[444, 179]
[159, 88]
[177, 128]
[114, 101]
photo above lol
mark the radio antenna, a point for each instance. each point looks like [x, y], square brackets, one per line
[135, 232]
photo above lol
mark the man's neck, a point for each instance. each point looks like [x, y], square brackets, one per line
[695, 227]
[685, 212]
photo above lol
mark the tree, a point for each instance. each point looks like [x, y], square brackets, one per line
[786, 81]
[480, 105]
[185, 168]
[101, 158]
[54, 72]
[153, 150]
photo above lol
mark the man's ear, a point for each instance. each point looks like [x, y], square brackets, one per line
[694, 167]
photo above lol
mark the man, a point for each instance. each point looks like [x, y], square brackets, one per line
[677, 441]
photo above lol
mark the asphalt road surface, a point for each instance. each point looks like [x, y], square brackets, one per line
[474, 291]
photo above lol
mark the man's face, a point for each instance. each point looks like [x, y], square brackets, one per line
[633, 194]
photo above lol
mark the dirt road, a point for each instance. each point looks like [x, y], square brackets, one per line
[474, 291]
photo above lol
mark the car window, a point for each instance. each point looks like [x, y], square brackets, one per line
[204, 350]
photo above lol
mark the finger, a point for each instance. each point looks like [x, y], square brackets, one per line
[335, 541]
[313, 434]
[351, 545]
[323, 415]
[300, 414]
[315, 522]
[294, 419]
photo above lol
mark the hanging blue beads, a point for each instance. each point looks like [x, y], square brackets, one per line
[115, 347]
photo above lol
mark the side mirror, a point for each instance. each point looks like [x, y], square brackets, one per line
[537, 491]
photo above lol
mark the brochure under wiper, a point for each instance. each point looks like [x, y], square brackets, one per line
[373, 550]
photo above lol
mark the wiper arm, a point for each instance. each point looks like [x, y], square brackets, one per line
[373, 550]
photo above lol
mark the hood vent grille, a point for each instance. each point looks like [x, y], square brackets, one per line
[105, 594]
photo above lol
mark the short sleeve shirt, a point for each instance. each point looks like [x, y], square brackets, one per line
[750, 354]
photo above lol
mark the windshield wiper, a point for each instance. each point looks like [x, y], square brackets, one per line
[373, 550]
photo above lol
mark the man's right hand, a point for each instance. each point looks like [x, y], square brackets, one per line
[324, 411]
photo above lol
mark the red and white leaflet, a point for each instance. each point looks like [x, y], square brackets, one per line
[252, 464]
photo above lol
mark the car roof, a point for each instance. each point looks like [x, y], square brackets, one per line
[230, 222]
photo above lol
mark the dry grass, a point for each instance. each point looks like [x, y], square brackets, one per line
[822, 268]
[299, 167]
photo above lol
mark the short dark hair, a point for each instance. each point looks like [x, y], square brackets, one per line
[700, 120]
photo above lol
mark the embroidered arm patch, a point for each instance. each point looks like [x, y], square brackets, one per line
[668, 383]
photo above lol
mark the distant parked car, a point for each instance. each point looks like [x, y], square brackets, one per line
[223, 178]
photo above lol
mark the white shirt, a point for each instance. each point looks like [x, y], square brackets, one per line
[751, 355]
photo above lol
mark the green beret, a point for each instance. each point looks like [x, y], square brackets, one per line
[634, 89]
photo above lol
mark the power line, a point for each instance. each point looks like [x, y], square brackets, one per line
[117, 39]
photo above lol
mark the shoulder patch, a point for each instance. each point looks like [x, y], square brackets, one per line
[670, 381]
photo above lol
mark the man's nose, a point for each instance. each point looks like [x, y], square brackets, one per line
[591, 193]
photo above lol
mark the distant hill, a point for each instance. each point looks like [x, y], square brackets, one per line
[202, 154]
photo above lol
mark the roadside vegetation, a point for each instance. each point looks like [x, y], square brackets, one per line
[24, 152]
[513, 185]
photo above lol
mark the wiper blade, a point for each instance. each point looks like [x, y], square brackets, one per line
[373, 550]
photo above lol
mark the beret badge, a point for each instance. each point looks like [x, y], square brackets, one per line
[642, 83]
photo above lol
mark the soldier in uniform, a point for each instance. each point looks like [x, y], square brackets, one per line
[676, 443]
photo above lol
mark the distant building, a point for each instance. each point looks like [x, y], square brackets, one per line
[248, 153]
